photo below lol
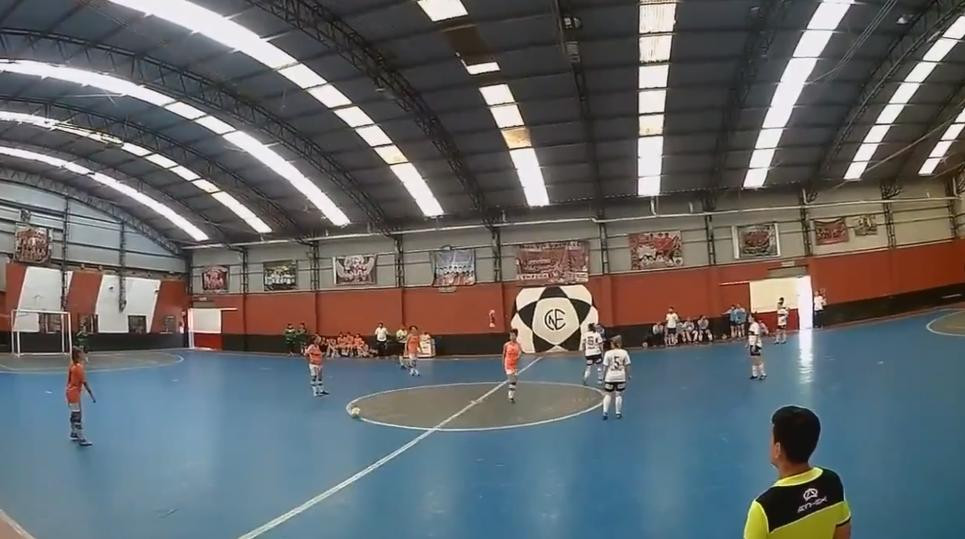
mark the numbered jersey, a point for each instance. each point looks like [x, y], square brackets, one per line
[754, 335]
[592, 344]
[782, 317]
[615, 363]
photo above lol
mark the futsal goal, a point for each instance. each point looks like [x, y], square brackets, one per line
[40, 332]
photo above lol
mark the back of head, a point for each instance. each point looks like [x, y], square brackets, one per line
[76, 354]
[797, 429]
[616, 341]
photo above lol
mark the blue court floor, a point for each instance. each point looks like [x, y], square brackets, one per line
[219, 444]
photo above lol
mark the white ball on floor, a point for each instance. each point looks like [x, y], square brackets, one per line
[355, 412]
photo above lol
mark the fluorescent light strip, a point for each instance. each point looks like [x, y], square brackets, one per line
[900, 99]
[937, 153]
[656, 22]
[172, 216]
[49, 123]
[236, 37]
[259, 151]
[479, 69]
[825, 19]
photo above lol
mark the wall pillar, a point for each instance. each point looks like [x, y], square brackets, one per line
[709, 236]
[122, 270]
[497, 245]
[244, 298]
[64, 240]
[604, 249]
[890, 226]
[805, 225]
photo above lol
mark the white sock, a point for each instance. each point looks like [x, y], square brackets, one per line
[619, 406]
[760, 369]
[754, 370]
[512, 393]
[606, 404]
[599, 372]
[586, 373]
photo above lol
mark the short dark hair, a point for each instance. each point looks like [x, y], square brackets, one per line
[590, 326]
[76, 354]
[797, 429]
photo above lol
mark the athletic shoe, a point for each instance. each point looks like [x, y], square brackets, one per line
[84, 443]
[323, 392]
[74, 438]
[604, 417]
[512, 400]
[753, 378]
[619, 416]
[762, 377]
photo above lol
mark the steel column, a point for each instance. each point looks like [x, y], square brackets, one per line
[805, 224]
[711, 242]
[64, 240]
[399, 262]
[122, 269]
[497, 246]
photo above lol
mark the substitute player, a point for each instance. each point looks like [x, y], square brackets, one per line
[616, 367]
[412, 350]
[314, 355]
[77, 379]
[593, 351]
[780, 336]
[511, 353]
[755, 341]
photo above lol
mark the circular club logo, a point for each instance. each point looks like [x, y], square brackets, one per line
[551, 318]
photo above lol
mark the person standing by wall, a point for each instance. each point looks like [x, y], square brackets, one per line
[400, 338]
[806, 502]
[780, 336]
[77, 380]
[291, 339]
[819, 302]
[301, 335]
[673, 319]
[381, 339]
[741, 315]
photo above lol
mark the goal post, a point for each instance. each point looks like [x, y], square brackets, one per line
[40, 332]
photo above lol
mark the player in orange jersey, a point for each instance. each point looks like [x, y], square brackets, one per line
[412, 350]
[314, 355]
[511, 353]
[76, 380]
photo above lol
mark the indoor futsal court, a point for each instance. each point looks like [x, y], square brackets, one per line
[219, 444]
[479, 269]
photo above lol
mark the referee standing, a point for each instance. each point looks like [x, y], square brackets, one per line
[806, 502]
[381, 338]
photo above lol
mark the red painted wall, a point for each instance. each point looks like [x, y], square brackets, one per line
[624, 299]
[82, 295]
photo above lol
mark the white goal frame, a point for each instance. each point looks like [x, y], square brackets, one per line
[66, 333]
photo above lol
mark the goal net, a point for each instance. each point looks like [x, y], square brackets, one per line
[40, 332]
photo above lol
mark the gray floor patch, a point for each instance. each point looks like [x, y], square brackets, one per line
[425, 407]
[949, 324]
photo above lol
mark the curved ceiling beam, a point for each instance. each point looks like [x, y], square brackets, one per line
[189, 86]
[937, 14]
[760, 36]
[240, 39]
[327, 29]
[158, 142]
[131, 188]
[89, 199]
[944, 127]
[46, 124]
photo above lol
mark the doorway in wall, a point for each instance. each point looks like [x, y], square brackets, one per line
[797, 294]
[204, 327]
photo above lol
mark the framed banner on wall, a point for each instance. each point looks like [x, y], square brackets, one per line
[454, 267]
[32, 244]
[756, 241]
[214, 279]
[653, 250]
[280, 275]
[558, 262]
[354, 270]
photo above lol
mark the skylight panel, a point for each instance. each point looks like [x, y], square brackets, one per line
[440, 10]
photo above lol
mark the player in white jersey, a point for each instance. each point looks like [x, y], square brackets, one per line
[755, 341]
[592, 346]
[616, 365]
[780, 336]
[673, 319]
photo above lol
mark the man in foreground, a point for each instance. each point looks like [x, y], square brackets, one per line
[77, 380]
[806, 502]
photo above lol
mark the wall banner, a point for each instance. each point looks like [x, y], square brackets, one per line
[214, 279]
[354, 270]
[560, 262]
[756, 241]
[652, 250]
[32, 244]
[280, 275]
[831, 232]
[866, 225]
[454, 267]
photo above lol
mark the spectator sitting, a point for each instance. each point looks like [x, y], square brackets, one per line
[703, 331]
[360, 348]
[687, 331]
[656, 335]
[330, 347]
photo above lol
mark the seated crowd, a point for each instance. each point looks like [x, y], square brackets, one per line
[346, 345]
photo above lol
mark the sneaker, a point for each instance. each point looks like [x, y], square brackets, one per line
[753, 377]
[84, 443]
[619, 416]
[74, 438]
[604, 417]
[322, 393]
[762, 377]
[512, 400]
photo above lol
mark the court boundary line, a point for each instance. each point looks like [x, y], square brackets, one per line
[598, 391]
[928, 326]
[6, 369]
[13, 525]
[305, 506]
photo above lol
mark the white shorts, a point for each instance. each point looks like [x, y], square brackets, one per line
[73, 406]
[314, 369]
[512, 372]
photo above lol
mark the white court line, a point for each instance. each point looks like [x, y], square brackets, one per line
[12, 524]
[4, 369]
[937, 332]
[348, 408]
[281, 519]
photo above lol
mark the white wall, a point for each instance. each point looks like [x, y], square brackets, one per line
[41, 291]
[93, 237]
[915, 222]
[141, 296]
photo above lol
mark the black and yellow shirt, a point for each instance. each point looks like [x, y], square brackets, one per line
[809, 505]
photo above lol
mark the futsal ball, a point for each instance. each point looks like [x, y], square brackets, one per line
[553, 318]
[355, 412]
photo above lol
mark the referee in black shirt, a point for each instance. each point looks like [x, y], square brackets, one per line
[806, 502]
